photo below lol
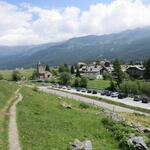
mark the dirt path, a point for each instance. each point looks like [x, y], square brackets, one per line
[13, 135]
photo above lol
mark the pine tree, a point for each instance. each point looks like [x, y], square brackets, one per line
[47, 68]
[118, 74]
[72, 70]
[78, 72]
[147, 69]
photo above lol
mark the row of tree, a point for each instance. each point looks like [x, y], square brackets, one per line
[136, 87]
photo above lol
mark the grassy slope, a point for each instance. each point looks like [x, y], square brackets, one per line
[98, 84]
[7, 91]
[7, 73]
[44, 124]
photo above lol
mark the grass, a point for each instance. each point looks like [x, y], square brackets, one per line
[44, 124]
[98, 84]
[7, 94]
[137, 119]
[24, 72]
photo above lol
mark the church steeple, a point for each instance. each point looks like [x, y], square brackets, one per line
[39, 67]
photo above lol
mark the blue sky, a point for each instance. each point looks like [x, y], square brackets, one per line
[82, 4]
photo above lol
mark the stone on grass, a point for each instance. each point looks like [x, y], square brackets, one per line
[137, 142]
[65, 105]
[78, 145]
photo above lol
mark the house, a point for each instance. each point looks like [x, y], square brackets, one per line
[136, 71]
[92, 71]
[42, 74]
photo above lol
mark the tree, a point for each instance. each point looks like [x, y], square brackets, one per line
[47, 68]
[16, 76]
[1, 77]
[34, 75]
[72, 69]
[65, 78]
[147, 69]
[76, 82]
[83, 82]
[63, 68]
[78, 72]
[118, 74]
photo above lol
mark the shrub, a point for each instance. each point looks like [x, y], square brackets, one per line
[83, 82]
[84, 106]
[1, 77]
[65, 78]
[119, 131]
[35, 89]
[16, 76]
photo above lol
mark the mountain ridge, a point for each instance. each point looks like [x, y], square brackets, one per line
[127, 45]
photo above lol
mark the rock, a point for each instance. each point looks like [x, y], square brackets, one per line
[78, 145]
[146, 130]
[113, 115]
[65, 105]
[137, 142]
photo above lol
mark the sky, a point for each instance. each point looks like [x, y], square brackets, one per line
[26, 22]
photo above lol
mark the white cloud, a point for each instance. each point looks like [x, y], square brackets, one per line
[27, 24]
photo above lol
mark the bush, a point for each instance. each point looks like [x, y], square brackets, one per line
[84, 106]
[135, 87]
[35, 89]
[16, 76]
[76, 82]
[1, 77]
[65, 78]
[83, 82]
[119, 131]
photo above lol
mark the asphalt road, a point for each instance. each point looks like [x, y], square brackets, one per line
[90, 101]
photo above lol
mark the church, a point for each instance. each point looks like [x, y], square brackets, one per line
[42, 74]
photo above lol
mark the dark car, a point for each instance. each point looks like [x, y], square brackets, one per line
[137, 98]
[145, 99]
[78, 89]
[104, 92]
[89, 91]
[108, 93]
[94, 92]
[122, 95]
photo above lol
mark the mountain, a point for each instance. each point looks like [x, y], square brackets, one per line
[127, 45]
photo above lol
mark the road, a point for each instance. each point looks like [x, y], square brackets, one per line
[89, 100]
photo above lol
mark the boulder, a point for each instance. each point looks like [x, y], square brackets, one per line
[67, 106]
[113, 115]
[137, 142]
[78, 145]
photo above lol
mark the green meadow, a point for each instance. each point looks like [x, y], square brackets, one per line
[44, 124]
[7, 74]
[98, 84]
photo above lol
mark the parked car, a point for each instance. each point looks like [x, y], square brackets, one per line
[89, 91]
[114, 94]
[83, 90]
[138, 98]
[108, 93]
[78, 89]
[94, 92]
[145, 99]
[69, 88]
[104, 92]
[122, 95]
[64, 87]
